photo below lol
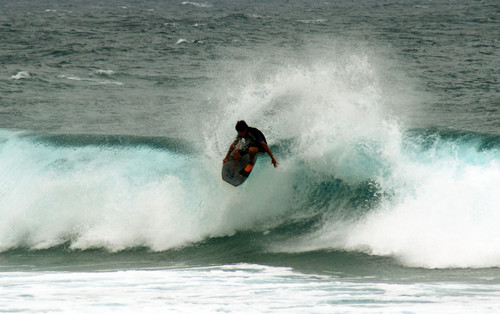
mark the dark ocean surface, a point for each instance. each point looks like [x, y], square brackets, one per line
[115, 117]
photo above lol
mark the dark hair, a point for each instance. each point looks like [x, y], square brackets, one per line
[241, 126]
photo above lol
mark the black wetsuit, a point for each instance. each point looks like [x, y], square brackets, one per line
[253, 138]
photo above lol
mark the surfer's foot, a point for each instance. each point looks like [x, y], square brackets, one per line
[246, 171]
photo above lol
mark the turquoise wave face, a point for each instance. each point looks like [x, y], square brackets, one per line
[120, 194]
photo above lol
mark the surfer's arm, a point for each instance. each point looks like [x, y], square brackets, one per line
[268, 150]
[231, 148]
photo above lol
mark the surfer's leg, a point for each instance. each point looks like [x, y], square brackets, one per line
[253, 152]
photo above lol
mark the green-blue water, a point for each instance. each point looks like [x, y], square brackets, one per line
[115, 118]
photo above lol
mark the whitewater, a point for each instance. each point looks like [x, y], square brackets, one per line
[111, 146]
[429, 199]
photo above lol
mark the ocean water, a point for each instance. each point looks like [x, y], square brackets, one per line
[115, 117]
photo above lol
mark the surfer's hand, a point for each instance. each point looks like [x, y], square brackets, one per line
[275, 163]
[225, 160]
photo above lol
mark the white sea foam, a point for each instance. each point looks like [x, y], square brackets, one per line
[70, 77]
[316, 21]
[99, 197]
[108, 82]
[232, 288]
[21, 75]
[445, 215]
[182, 41]
[105, 72]
[92, 80]
[197, 4]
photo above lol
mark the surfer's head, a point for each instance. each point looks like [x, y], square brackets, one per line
[241, 127]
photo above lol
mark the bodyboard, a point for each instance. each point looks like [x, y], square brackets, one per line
[233, 172]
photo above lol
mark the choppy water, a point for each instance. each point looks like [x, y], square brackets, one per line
[115, 117]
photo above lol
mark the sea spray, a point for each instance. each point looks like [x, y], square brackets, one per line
[435, 202]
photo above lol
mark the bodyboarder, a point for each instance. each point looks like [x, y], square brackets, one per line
[254, 143]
